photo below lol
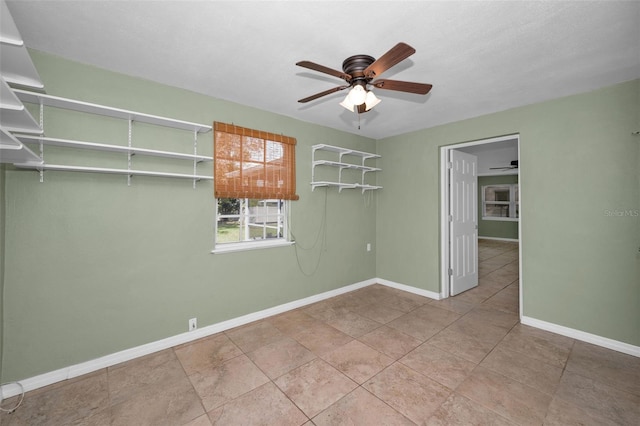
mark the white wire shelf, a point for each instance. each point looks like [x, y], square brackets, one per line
[16, 66]
[59, 167]
[345, 165]
[87, 107]
[340, 166]
[344, 151]
[111, 148]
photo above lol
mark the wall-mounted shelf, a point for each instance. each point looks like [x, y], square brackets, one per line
[111, 148]
[126, 172]
[90, 108]
[341, 165]
[44, 100]
[16, 66]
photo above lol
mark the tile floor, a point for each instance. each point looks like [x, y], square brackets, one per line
[376, 356]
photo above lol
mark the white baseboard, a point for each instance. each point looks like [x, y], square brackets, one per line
[409, 289]
[513, 240]
[12, 389]
[41, 380]
[583, 336]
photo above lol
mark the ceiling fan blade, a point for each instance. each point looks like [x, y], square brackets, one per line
[403, 86]
[323, 69]
[396, 54]
[321, 94]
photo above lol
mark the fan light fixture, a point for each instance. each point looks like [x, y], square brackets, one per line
[357, 96]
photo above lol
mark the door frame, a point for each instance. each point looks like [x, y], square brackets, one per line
[444, 212]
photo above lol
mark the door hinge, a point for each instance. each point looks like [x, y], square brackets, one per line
[449, 165]
[450, 272]
[450, 218]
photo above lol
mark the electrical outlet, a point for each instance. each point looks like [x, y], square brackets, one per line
[368, 246]
[193, 324]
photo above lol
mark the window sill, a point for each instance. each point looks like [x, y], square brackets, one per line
[234, 247]
[505, 219]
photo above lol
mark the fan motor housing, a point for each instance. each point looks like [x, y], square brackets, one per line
[355, 65]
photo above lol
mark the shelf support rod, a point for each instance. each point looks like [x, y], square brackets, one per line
[41, 143]
[129, 152]
[195, 157]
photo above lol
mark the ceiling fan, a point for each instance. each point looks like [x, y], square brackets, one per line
[360, 70]
[514, 165]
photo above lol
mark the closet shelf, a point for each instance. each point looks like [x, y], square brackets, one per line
[58, 167]
[74, 105]
[111, 148]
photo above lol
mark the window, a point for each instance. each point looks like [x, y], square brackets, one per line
[500, 202]
[254, 181]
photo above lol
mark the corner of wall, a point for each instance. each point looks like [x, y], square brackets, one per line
[2, 253]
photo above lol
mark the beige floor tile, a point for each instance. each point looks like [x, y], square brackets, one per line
[146, 373]
[599, 399]
[203, 420]
[357, 361]
[69, 403]
[453, 304]
[315, 386]
[378, 312]
[497, 318]
[563, 413]
[403, 301]
[173, 403]
[390, 341]
[517, 402]
[280, 357]
[460, 411]
[360, 408]
[251, 336]
[263, 406]
[407, 391]
[322, 338]
[539, 344]
[227, 381]
[424, 322]
[615, 369]
[443, 367]
[353, 324]
[530, 371]
[293, 322]
[469, 347]
[205, 354]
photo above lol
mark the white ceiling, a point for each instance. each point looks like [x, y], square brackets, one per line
[481, 57]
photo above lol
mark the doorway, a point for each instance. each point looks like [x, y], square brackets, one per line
[495, 157]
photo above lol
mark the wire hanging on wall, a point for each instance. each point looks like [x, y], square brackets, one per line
[322, 231]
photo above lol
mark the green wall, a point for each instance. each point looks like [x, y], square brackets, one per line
[94, 266]
[580, 265]
[495, 228]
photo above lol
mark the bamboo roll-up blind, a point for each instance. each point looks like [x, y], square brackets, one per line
[253, 164]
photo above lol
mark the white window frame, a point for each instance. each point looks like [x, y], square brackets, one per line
[512, 203]
[256, 243]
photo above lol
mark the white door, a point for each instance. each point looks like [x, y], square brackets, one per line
[463, 217]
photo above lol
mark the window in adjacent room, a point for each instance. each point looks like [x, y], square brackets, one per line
[500, 202]
[254, 182]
